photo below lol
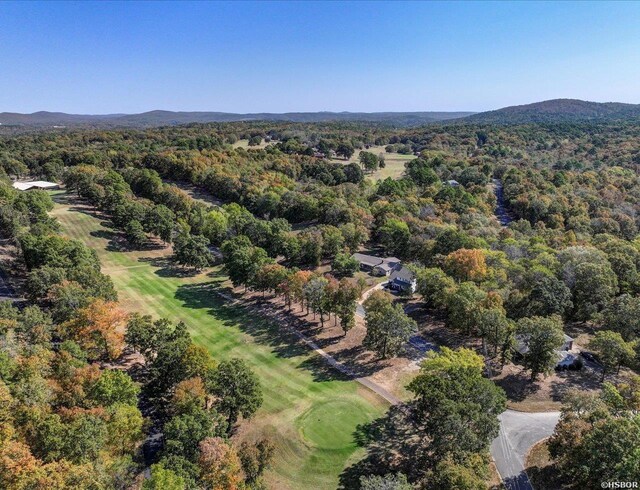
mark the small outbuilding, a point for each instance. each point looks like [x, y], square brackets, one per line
[35, 184]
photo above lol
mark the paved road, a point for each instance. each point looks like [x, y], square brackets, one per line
[518, 432]
[501, 211]
[6, 291]
[359, 308]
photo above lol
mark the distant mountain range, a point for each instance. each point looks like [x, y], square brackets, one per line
[556, 111]
[169, 118]
[549, 111]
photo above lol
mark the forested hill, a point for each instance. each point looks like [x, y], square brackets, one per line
[557, 110]
[169, 118]
[549, 111]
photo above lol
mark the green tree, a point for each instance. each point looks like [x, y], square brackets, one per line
[595, 441]
[432, 284]
[242, 260]
[612, 350]
[494, 328]
[457, 407]
[595, 285]
[548, 296]
[135, 234]
[346, 299]
[345, 150]
[163, 479]
[463, 305]
[315, 292]
[237, 390]
[184, 432]
[255, 459]
[421, 172]
[216, 226]
[388, 327]
[369, 161]
[394, 235]
[192, 251]
[541, 337]
[160, 221]
[114, 386]
[622, 315]
[344, 265]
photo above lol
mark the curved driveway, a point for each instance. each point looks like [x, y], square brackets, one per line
[518, 432]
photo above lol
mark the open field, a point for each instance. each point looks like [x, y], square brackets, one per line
[394, 167]
[309, 414]
[245, 144]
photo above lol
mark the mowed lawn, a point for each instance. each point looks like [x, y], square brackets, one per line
[309, 411]
[394, 163]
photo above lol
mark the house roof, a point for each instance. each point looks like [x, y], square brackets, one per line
[39, 184]
[386, 266]
[522, 345]
[403, 274]
[370, 260]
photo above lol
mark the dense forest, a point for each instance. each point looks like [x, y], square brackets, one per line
[291, 201]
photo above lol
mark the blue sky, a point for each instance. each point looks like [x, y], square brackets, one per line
[110, 57]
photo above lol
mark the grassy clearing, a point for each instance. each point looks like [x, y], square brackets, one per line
[394, 167]
[309, 413]
[245, 144]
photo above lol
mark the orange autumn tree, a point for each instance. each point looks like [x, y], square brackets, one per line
[297, 284]
[99, 329]
[467, 264]
[220, 466]
[189, 395]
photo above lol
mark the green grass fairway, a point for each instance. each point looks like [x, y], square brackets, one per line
[309, 411]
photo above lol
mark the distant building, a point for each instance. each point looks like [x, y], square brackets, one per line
[400, 278]
[452, 183]
[36, 184]
[377, 265]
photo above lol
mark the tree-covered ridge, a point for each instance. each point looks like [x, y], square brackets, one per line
[290, 216]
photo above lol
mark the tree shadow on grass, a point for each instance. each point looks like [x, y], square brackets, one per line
[115, 241]
[391, 446]
[282, 341]
[322, 370]
[585, 380]
[105, 222]
[518, 386]
[166, 267]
